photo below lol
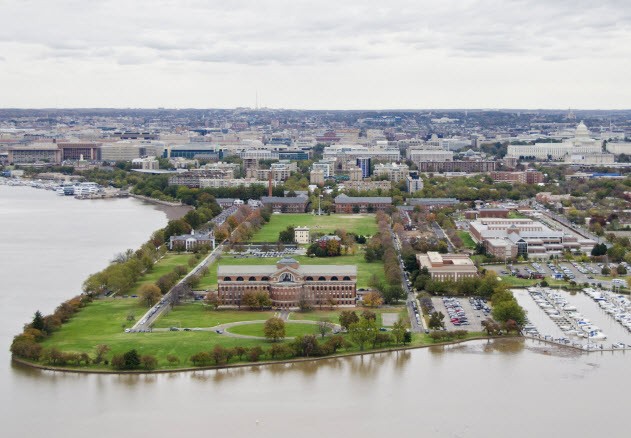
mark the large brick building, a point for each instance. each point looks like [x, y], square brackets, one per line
[361, 204]
[279, 204]
[288, 283]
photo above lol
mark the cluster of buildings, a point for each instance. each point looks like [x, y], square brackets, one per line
[581, 148]
[507, 238]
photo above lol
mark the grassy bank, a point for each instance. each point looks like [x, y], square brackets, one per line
[361, 224]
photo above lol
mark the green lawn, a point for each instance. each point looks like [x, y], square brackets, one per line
[101, 322]
[519, 282]
[197, 315]
[291, 330]
[361, 224]
[466, 239]
[365, 270]
[165, 265]
[334, 315]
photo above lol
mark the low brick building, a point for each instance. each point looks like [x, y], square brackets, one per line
[280, 204]
[444, 267]
[362, 204]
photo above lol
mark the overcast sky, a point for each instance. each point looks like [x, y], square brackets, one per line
[338, 54]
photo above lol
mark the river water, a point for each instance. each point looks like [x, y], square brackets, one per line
[516, 388]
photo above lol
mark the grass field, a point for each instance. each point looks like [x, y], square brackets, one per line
[466, 239]
[101, 322]
[162, 267]
[291, 330]
[365, 270]
[518, 282]
[361, 224]
[197, 315]
[334, 315]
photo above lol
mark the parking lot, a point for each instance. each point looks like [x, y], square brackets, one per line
[473, 316]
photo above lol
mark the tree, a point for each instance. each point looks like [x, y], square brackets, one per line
[506, 310]
[373, 299]
[304, 303]
[407, 338]
[621, 270]
[306, 345]
[369, 314]
[605, 270]
[254, 354]
[436, 320]
[274, 329]
[149, 294]
[212, 300]
[398, 330]
[38, 321]
[148, 362]
[101, 352]
[348, 317]
[363, 332]
[324, 327]
[279, 351]
[287, 235]
[490, 326]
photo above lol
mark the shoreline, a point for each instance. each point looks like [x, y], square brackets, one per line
[255, 364]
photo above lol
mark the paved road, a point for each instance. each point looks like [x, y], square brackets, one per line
[562, 220]
[411, 296]
[441, 235]
[144, 323]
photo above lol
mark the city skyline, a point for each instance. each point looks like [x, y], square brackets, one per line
[359, 55]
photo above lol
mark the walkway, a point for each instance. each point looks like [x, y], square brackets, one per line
[224, 328]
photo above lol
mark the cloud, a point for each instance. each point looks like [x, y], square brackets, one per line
[252, 32]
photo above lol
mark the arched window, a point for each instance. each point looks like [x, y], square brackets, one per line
[333, 278]
[321, 279]
[309, 279]
[252, 279]
[239, 278]
[286, 278]
[227, 279]
[347, 278]
[265, 279]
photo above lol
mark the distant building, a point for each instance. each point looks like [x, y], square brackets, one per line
[456, 166]
[75, 151]
[432, 202]
[367, 204]
[356, 174]
[527, 177]
[279, 204]
[288, 283]
[145, 163]
[447, 267]
[188, 242]
[364, 164]
[301, 235]
[316, 176]
[364, 186]
[413, 182]
[393, 171]
[46, 153]
[486, 212]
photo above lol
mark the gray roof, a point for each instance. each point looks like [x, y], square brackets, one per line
[430, 201]
[282, 200]
[362, 199]
[287, 261]
[225, 270]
